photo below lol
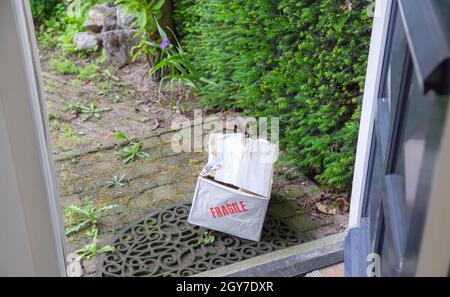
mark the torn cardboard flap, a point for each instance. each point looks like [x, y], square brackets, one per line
[256, 167]
[242, 162]
[230, 149]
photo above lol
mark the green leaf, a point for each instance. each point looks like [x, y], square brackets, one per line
[161, 32]
[157, 6]
[142, 19]
[120, 135]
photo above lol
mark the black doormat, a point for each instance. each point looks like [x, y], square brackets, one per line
[165, 244]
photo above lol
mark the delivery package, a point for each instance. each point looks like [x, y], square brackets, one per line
[233, 189]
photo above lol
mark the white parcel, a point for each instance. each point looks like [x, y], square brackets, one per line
[233, 190]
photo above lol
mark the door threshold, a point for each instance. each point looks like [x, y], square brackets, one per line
[290, 262]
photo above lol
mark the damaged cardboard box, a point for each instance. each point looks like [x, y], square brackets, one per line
[233, 189]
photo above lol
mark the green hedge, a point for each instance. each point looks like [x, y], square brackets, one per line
[303, 61]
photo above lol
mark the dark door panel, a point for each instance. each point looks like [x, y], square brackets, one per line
[410, 116]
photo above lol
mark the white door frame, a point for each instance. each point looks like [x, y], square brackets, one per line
[32, 240]
[371, 89]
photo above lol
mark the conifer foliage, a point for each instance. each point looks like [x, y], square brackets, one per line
[301, 60]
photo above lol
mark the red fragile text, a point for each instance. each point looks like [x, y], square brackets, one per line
[228, 209]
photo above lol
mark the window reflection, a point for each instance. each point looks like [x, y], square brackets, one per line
[412, 145]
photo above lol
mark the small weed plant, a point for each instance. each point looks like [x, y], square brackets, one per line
[91, 250]
[63, 65]
[132, 151]
[82, 217]
[208, 238]
[116, 181]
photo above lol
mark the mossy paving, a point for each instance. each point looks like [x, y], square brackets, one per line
[86, 159]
